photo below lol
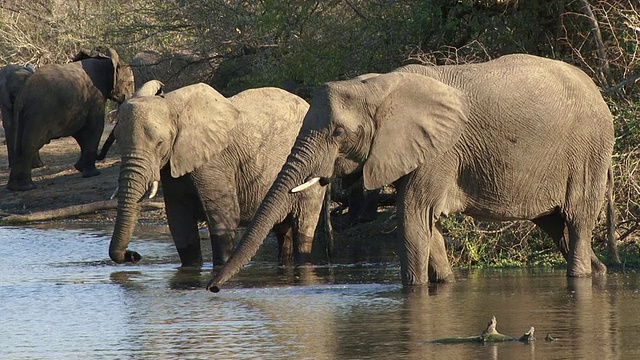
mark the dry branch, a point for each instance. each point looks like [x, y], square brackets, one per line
[490, 335]
[600, 47]
[72, 211]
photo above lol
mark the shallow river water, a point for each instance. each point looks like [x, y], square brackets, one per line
[61, 298]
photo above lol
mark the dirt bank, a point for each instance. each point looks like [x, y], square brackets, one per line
[60, 185]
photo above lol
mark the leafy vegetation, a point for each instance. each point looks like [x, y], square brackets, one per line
[238, 44]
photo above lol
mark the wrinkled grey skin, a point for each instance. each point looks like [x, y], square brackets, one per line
[215, 158]
[67, 100]
[12, 80]
[520, 137]
[150, 88]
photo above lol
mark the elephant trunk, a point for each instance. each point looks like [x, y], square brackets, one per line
[275, 206]
[131, 189]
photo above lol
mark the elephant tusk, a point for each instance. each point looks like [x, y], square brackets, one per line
[115, 193]
[154, 189]
[306, 185]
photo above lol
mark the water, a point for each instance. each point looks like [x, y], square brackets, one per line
[61, 298]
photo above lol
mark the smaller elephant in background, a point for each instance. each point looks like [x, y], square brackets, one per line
[67, 100]
[215, 158]
[150, 88]
[12, 80]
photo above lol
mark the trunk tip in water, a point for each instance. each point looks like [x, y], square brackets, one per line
[128, 256]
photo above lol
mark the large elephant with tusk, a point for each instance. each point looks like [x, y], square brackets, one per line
[215, 158]
[516, 138]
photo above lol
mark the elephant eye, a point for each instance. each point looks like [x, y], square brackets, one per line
[338, 132]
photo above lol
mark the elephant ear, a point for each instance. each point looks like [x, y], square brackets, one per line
[204, 121]
[115, 61]
[419, 119]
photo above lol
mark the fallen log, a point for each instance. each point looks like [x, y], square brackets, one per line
[73, 210]
[489, 335]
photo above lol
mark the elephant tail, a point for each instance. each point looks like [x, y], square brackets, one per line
[614, 257]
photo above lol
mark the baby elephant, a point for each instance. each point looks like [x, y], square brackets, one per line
[215, 159]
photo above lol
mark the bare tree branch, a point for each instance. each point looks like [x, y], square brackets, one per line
[603, 70]
[71, 211]
[356, 10]
[624, 82]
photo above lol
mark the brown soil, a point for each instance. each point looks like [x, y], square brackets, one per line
[60, 185]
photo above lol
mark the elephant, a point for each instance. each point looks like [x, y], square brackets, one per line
[150, 88]
[215, 158]
[12, 80]
[517, 138]
[67, 100]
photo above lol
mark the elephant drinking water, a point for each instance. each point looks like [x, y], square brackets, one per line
[215, 158]
[517, 138]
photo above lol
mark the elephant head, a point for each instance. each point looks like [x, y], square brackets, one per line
[150, 88]
[381, 126]
[122, 83]
[178, 133]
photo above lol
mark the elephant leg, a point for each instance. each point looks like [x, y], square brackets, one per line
[222, 235]
[222, 211]
[579, 257]
[555, 226]
[415, 230]
[20, 174]
[439, 266]
[107, 145]
[182, 215]
[88, 138]
[284, 234]
[37, 161]
[305, 221]
[363, 204]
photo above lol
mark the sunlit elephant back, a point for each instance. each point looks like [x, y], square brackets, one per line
[67, 100]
